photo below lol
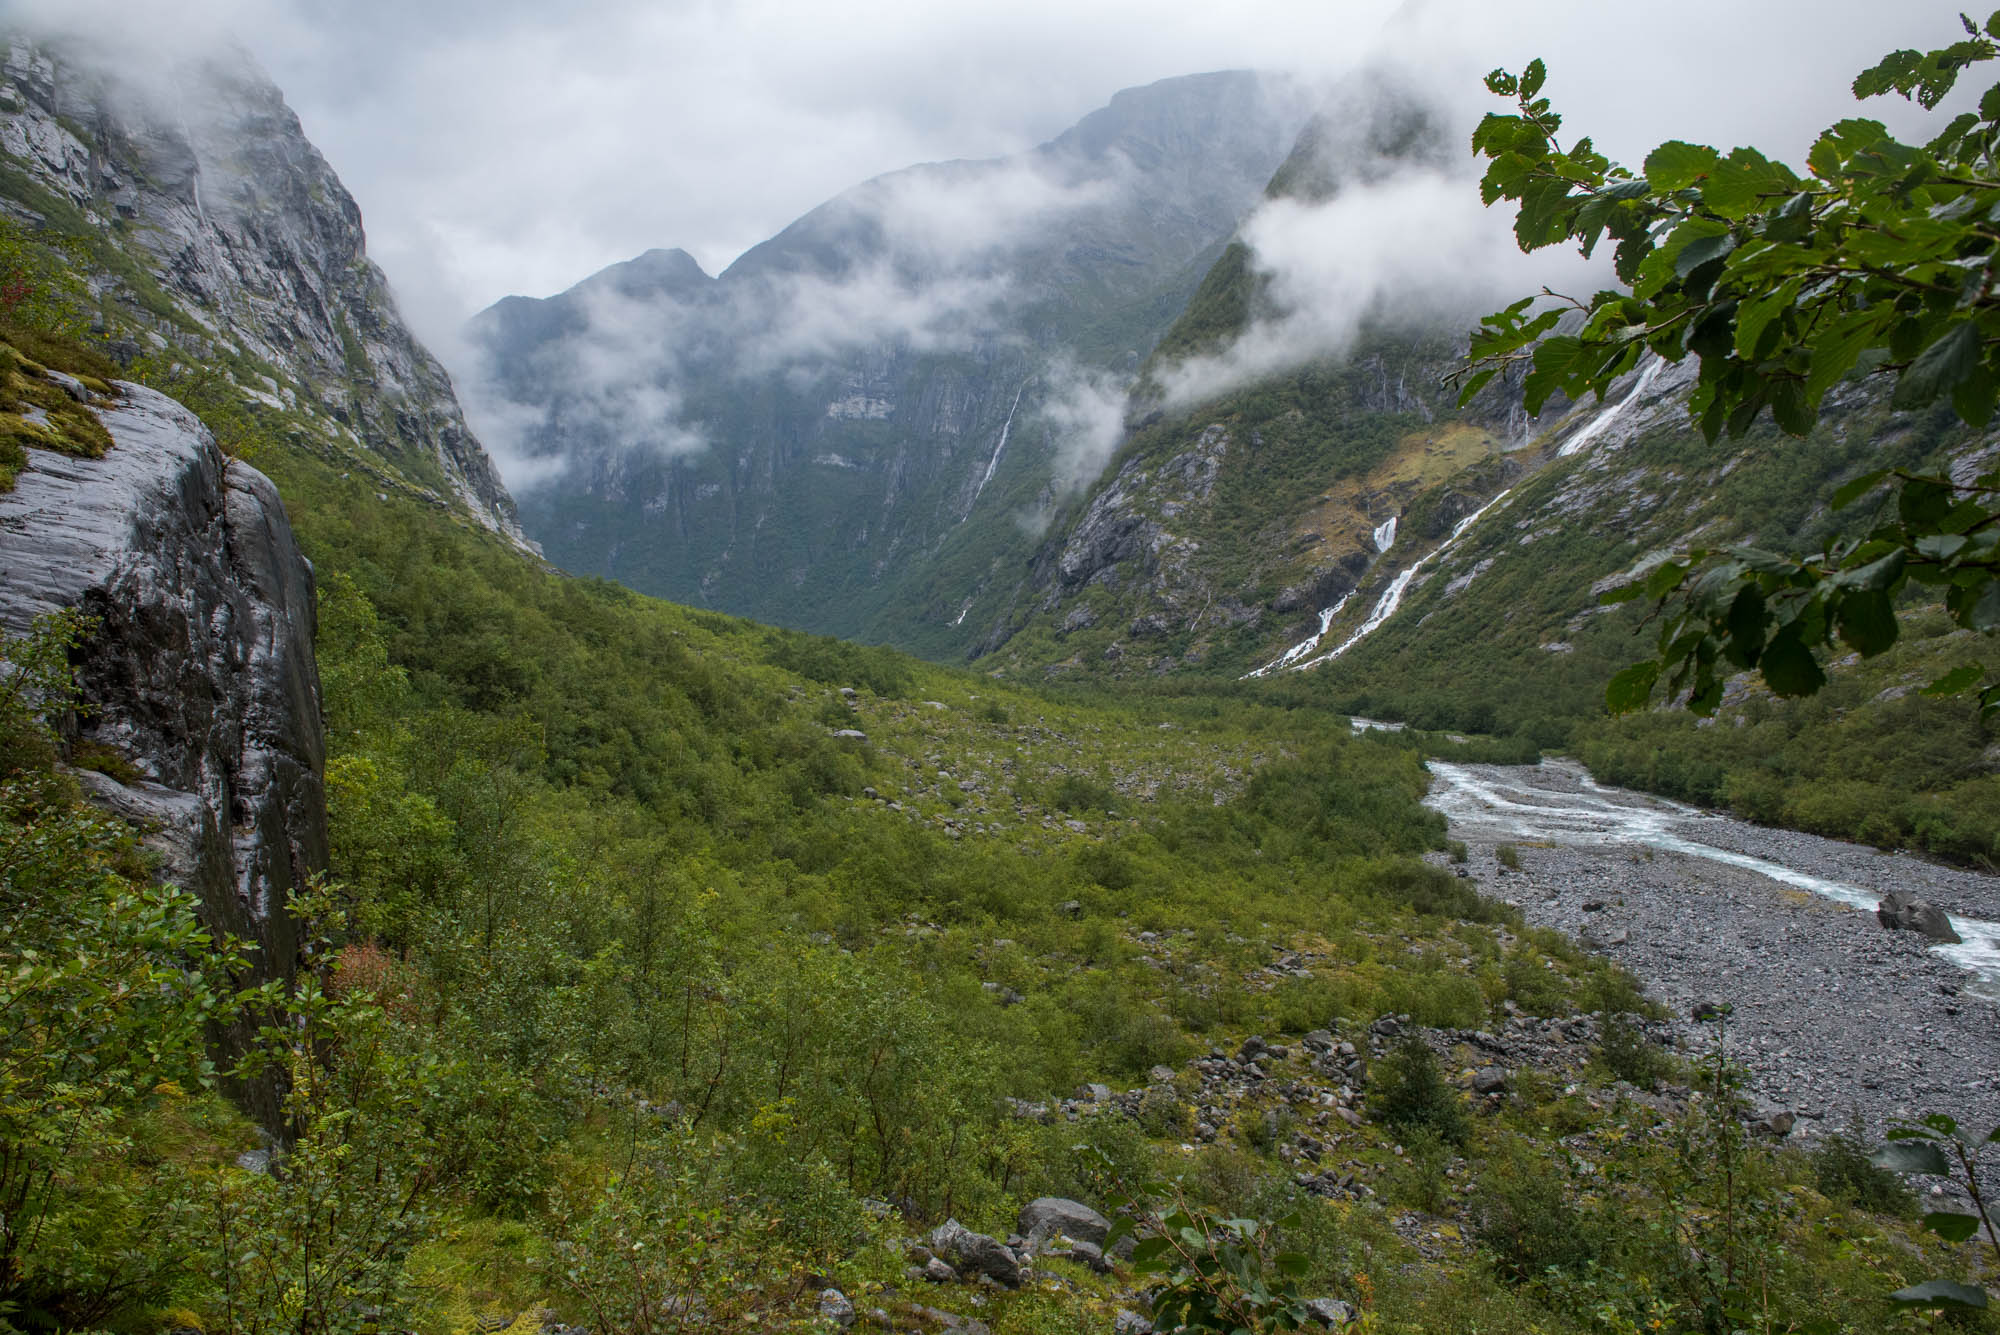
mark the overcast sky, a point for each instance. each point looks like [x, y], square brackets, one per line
[516, 146]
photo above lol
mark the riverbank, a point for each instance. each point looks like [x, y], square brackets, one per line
[1833, 1015]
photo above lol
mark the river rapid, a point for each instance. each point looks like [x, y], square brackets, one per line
[1832, 1014]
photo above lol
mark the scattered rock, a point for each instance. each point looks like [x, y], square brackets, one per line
[1128, 1322]
[977, 1253]
[1490, 1080]
[833, 1305]
[1333, 1313]
[1054, 1216]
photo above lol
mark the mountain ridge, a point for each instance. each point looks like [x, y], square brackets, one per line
[221, 237]
[835, 400]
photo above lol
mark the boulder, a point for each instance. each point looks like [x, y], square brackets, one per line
[1052, 1216]
[1776, 1123]
[1489, 1080]
[1128, 1322]
[977, 1253]
[1901, 912]
[1333, 1313]
[833, 1305]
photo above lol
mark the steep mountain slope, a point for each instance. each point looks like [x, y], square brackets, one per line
[1230, 520]
[849, 429]
[218, 238]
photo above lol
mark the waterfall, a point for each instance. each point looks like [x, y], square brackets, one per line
[994, 462]
[1385, 534]
[1308, 644]
[1392, 597]
[1605, 418]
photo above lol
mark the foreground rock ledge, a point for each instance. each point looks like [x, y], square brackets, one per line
[200, 671]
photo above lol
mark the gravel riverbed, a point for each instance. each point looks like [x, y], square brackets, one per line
[1833, 1015]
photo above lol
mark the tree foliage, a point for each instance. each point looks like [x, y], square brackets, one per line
[1882, 259]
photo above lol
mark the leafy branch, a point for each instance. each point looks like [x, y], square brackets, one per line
[1883, 259]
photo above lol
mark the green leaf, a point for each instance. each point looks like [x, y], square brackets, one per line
[1533, 77]
[1906, 1156]
[1739, 186]
[1746, 626]
[1702, 250]
[1835, 352]
[1675, 165]
[1951, 1225]
[1940, 1293]
[1630, 689]
[1923, 503]
[1952, 683]
[1789, 667]
[1866, 621]
[1855, 488]
[1939, 367]
[1974, 397]
[1756, 315]
[1624, 593]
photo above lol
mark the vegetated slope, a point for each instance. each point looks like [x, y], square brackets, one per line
[679, 964]
[1506, 633]
[221, 249]
[852, 428]
[1222, 529]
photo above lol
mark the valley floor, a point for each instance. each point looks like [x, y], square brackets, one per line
[1832, 1015]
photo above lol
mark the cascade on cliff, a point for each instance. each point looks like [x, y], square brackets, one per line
[199, 669]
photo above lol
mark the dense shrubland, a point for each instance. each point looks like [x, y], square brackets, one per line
[628, 995]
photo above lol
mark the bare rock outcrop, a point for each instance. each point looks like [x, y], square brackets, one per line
[199, 669]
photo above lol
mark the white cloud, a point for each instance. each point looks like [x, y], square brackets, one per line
[1415, 247]
[502, 146]
[1085, 413]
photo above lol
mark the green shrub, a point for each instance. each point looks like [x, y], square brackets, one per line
[1628, 1055]
[1410, 1093]
[1508, 856]
[1147, 1040]
[1429, 890]
[1421, 1180]
[1842, 1171]
[1526, 1217]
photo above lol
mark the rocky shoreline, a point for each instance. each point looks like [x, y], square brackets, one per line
[1833, 1016]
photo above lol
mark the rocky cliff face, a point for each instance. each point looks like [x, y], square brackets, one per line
[199, 668]
[855, 427]
[225, 241]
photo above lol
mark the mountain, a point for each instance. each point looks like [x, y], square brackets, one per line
[1233, 514]
[230, 252]
[857, 426]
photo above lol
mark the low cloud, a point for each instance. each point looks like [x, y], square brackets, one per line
[1416, 249]
[1084, 414]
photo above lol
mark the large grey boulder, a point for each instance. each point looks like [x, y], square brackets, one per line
[1049, 1217]
[977, 1253]
[200, 669]
[1901, 912]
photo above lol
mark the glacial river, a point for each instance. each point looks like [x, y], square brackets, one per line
[1558, 803]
